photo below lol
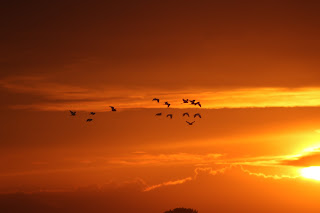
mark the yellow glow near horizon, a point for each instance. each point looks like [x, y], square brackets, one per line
[312, 172]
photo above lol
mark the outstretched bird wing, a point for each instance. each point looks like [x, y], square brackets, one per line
[112, 108]
[195, 115]
[186, 114]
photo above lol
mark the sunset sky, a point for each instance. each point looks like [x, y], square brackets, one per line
[253, 65]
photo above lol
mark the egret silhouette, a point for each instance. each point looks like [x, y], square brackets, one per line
[186, 114]
[113, 109]
[169, 115]
[159, 114]
[89, 119]
[190, 123]
[166, 103]
[198, 114]
[185, 101]
[156, 99]
[92, 113]
[72, 113]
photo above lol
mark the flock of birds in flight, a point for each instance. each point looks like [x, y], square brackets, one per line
[184, 101]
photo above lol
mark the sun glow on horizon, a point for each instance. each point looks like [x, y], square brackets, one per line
[312, 172]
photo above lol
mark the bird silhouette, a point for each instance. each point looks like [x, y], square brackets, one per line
[89, 119]
[190, 123]
[72, 113]
[166, 103]
[92, 113]
[156, 99]
[169, 115]
[198, 114]
[185, 101]
[159, 114]
[186, 114]
[192, 101]
[113, 109]
[198, 103]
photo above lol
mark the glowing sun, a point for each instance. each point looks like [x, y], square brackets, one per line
[312, 172]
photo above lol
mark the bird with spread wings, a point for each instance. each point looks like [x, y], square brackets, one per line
[190, 123]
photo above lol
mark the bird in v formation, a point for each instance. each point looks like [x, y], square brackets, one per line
[193, 102]
[73, 113]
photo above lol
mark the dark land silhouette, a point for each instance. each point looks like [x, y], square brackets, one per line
[182, 210]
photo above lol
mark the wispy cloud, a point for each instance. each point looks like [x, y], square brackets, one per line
[165, 159]
[197, 171]
[261, 161]
[260, 174]
[168, 183]
[311, 158]
[60, 96]
[211, 171]
[308, 157]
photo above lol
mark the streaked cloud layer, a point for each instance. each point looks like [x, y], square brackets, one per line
[58, 97]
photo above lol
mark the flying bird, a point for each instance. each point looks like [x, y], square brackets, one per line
[185, 101]
[113, 109]
[92, 113]
[169, 115]
[198, 103]
[186, 114]
[72, 113]
[156, 99]
[190, 123]
[159, 114]
[88, 120]
[198, 114]
[166, 103]
[192, 101]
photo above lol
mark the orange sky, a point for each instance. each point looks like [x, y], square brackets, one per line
[253, 65]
